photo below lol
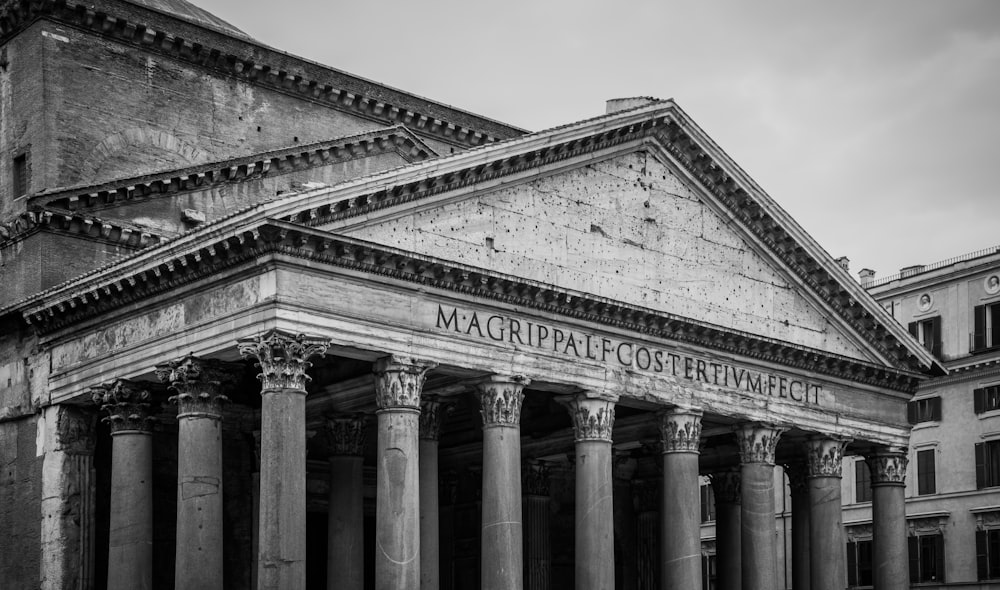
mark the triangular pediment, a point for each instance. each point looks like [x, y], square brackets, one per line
[630, 228]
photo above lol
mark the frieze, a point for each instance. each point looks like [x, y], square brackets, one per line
[825, 456]
[887, 468]
[399, 382]
[757, 442]
[199, 384]
[680, 430]
[500, 400]
[283, 358]
[127, 405]
[593, 418]
[726, 486]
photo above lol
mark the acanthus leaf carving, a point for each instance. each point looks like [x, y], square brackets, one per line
[283, 358]
[399, 382]
[825, 456]
[887, 468]
[500, 400]
[680, 430]
[593, 418]
[199, 384]
[757, 442]
[127, 405]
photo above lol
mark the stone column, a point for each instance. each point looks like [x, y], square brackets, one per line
[757, 443]
[680, 545]
[623, 468]
[398, 383]
[889, 549]
[502, 544]
[283, 360]
[537, 540]
[432, 413]
[593, 419]
[728, 509]
[827, 558]
[130, 538]
[345, 552]
[198, 383]
[798, 483]
[647, 502]
[68, 494]
[255, 514]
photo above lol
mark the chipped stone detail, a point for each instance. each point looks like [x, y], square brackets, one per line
[757, 442]
[433, 411]
[825, 456]
[399, 381]
[888, 468]
[680, 430]
[500, 400]
[726, 486]
[593, 418]
[127, 405]
[199, 384]
[283, 358]
[535, 478]
[345, 435]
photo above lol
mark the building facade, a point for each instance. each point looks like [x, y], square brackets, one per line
[265, 324]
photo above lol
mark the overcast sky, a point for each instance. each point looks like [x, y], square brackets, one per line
[875, 124]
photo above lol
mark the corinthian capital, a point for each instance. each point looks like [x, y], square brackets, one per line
[825, 456]
[399, 381]
[726, 486]
[593, 418]
[345, 435]
[283, 358]
[680, 430]
[432, 414]
[757, 442]
[198, 383]
[127, 405]
[888, 467]
[500, 400]
[535, 478]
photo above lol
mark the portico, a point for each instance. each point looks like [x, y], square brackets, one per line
[344, 352]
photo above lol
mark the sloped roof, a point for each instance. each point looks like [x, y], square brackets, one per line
[662, 125]
[191, 13]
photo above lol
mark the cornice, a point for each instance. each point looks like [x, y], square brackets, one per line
[396, 139]
[276, 237]
[118, 232]
[242, 58]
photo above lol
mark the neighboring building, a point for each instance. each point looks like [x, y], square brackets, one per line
[953, 489]
[546, 338]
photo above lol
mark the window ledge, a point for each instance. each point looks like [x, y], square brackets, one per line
[989, 414]
[931, 424]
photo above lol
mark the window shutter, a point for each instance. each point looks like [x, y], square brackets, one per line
[979, 400]
[979, 328]
[934, 338]
[939, 558]
[852, 565]
[914, 559]
[980, 466]
[911, 412]
[936, 408]
[982, 565]
[912, 327]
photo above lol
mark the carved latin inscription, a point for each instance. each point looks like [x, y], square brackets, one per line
[283, 358]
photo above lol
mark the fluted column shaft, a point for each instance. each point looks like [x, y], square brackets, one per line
[432, 413]
[283, 360]
[398, 385]
[680, 548]
[799, 484]
[130, 542]
[728, 508]
[345, 555]
[502, 556]
[198, 558]
[537, 542]
[827, 559]
[889, 550]
[593, 420]
[757, 444]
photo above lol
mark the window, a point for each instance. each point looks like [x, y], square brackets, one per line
[20, 175]
[986, 399]
[707, 503]
[988, 554]
[924, 410]
[987, 464]
[927, 558]
[862, 482]
[926, 477]
[928, 333]
[986, 326]
[859, 563]
[708, 566]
